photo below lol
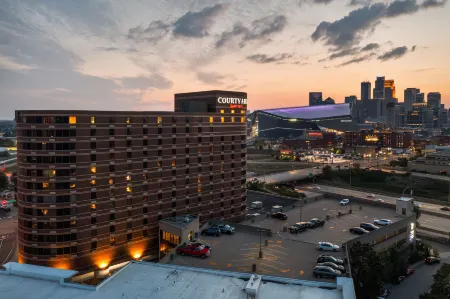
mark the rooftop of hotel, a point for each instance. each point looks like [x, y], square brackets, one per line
[312, 112]
[179, 221]
[149, 280]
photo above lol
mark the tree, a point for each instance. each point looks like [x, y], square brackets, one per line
[3, 181]
[393, 163]
[367, 270]
[13, 179]
[327, 172]
[402, 162]
[417, 211]
[357, 167]
[440, 289]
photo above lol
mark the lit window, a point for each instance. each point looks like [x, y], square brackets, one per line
[72, 186]
[129, 189]
[242, 111]
[93, 182]
[199, 150]
[174, 163]
[232, 111]
[232, 119]
[199, 180]
[93, 169]
[222, 119]
[211, 119]
[222, 111]
[72, 120]
[52, 173]
[44, 211]
[159, 121]
[44, 185]
[242, 119]
[128, 120]
[199, 189]
[92, 119]
[158, 163]
[111, 181]
[128, 178]
[93, 207]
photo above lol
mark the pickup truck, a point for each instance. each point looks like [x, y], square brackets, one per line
[315, 222]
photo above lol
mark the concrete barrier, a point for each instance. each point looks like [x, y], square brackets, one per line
[431, 229]
[244, 228]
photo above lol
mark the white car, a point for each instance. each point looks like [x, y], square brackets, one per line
[380, 200]
[316, 188]
[316, 167]
[327, 246]
[382, 222]
[370, 195]
[344, 202]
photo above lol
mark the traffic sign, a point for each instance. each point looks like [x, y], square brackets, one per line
[310, 175]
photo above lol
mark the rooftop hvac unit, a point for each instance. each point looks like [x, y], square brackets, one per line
[253, 286]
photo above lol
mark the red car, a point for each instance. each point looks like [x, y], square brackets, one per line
[192, 250]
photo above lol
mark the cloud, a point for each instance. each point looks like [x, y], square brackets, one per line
[154, 32]
[263, 58]
[350, 30]
[395, 53]
[433, 3]
[146, 82]
[196, 24]
[369, 47]
[211, 78]
[360, 2]
[423, 70]
[261, 29]
[107, 49]
[357, 60]
[343, 52]
[326, 2]
[413, 48]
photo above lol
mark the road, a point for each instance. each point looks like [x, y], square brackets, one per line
[8, 236]
[292, 175]
[421, 281]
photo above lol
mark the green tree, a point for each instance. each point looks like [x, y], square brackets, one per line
[393, 163]
[402, 162]
[417, 211]
[440, 289]
[367, 271]
[3, 181]
[327, 172]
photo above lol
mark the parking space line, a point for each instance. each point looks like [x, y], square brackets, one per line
[276, 251]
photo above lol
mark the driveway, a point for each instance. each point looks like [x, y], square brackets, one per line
[421, 281]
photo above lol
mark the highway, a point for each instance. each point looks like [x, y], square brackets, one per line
[8, 236]
[287, 176]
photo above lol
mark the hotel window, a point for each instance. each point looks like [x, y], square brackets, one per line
[222, 111]
[211, 119]
[93, 169]
[171, 238]
[173, 163]
[128, 120]
[72, 120]
[93, 207]
[128, 189]
[222, 119]
[232, 111]
[232, 119]
[242, 111]
[92, 119]
[94, 246]
[72, 186]
[112, 241]
[159, 120]
[93, 182]
[199, 189]
[44, 185]
[242, 119]
[128, 177]
[199, 180]
[51, 173]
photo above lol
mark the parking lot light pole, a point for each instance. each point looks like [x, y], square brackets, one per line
[301, 211]
[260, 243]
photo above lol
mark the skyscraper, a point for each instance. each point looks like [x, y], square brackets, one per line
[389, 90]
[420, 98]
[378, 91]
[366, 90]
[410, 97]
[351, 100]
[315, 98]
[434, 99]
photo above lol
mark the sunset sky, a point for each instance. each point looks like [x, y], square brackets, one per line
[134, 55]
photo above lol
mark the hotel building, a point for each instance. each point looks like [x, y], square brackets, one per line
[93, 185]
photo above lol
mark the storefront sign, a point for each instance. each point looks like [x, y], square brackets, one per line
[240, 101]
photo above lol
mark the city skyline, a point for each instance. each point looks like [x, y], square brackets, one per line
[105, 55]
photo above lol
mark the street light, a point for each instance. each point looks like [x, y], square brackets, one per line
[260, 243]
[403, 193]
[301, 211]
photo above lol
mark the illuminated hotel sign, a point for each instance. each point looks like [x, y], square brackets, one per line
[412, 232]
[238, 101]
[315, 134]
[234, 106]
[372, 138]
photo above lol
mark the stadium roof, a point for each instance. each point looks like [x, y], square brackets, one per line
[312, 112]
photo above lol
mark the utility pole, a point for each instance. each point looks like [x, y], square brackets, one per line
[350, 168]
[301, 211]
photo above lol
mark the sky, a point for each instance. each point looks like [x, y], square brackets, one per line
[135, 55]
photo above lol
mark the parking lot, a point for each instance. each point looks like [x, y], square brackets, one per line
[238, 252]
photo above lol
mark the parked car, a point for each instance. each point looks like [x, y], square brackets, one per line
[327, 246]
[279, 215]
[316, 167]
[198, 251]
[368, 226]
[298, 227]
[333, 266]
[432, 260]
[323, 258]
[211, 231]
[370, 194]
[379, 200]
[200, 243]
[224, 228]
[323, 271]
[344, 202]
[315, 222]
[409, 271]
[316, 188]
[5, 208]
[445, 209]
[358, 231]
[382, 222]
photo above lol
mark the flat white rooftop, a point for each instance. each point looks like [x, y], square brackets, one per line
[147, 280]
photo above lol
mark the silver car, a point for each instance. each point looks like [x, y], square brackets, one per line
[327, 246]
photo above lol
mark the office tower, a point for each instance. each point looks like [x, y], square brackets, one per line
[378, 91]
[366, 91]
[434, 99]
[421, 116]
[350, 100]
[395, 114]
[315, 98]
[410, 97]
[420, 98]
[92, 185]
[389, 90]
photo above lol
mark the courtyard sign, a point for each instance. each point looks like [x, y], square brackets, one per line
[239, 101]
